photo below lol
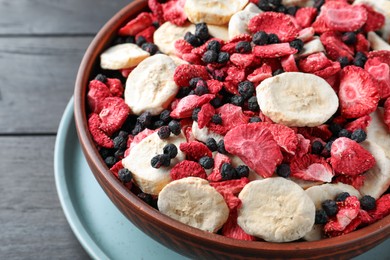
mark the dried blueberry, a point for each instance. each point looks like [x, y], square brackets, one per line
[216, 102]
[242, 171]
[243, 47]
[359, 135]
[223, 57]
[202, 31]
[211, 144]
[316, 147]
[192, 39]
[183, 92]
[160, 160]
[206, 162]
[253, 105]
[367, 202]
[140, 40]
[360, 59]
[277, 72]
[254, 119]
[195, 113]
[330, 207]
[216, 119]
[221, 147]
[246, 89]
[343, 61]
[201, 90]
[101, 78]
[150, 47]
[125, 175]
[120, 142]
[170, 150]
[164, 132]
[210, 56]
[321, 217]
[165, 115]
[260, 38]
[174, 126]
[283, 170]
[110, 161]
[344, 133]
[342, 196]
[237, 100]
[145, 119]
[349, 38]
[297, 44]
[228, 172]
[214, 46]
[291, 10]
[157, 124]
[273, 38]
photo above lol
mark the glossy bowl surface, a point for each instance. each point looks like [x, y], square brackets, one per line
[175, 235]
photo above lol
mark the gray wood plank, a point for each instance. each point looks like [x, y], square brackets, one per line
[37, 78]
[56, 17]
[33, 225]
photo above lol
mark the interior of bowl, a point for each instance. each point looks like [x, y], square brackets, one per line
[348, 245]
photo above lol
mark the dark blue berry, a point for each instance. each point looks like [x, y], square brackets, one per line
[101, 78]
[253, 105]
[260, 38]
[349, 38]
[264, 5]
[216, 102]
[164, 132]
[140, 40]
[359, 135]
[150, 47]
[157, 124]
[321, 217]
[201, 90]
[137, 129]
[183, 92]
[360, 59]
[344, 133]
[145, 119]
[214, 46]
[367, 202]
[292, 10]
[206, 162]
[281, 9]
[330, 207]
[342, 196]
[223, 57]
[254, 119]
[119, 142]
[170, 150]
[194, 82]
[216, 119]
[202, 31]
[195, 113]
[273, 38]
[318, 4]
[160, 160]
[147, 198]
[125, 175]
[211, 144]
[243, 47]
[242, 171]
[343, 61]
[165, 115]
[297, 44]
[277, 72]
[283, 170]
[221, 147]
[228, 172]
[237, 100]
[174, 126]
[110, 161]
[316, 147]
[156, 24]
[246, 89]
[335, 128]
[210, 56]
[192, 39]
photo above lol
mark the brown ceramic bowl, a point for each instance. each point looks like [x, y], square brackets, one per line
[173, 234]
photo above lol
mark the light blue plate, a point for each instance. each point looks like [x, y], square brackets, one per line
[99, 226]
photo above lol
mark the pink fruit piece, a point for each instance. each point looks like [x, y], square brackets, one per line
[235, 75]
[147, 33]
[343, 17]
[195, 150]
[214, 86]
[349, 157]
[282, 25]
[329, 71]
[174, 12]
[138, 24]
[242, 60]
[97, 92]
[157, 10]
[382, 208]
[305, 16]
[362, 44]
[380, 72]
[182, 47]
[382, 55]
[205, 114]
[335, 47]
[356, 181]
[386, 115]
[231, 115]
[140, 136]
[311, 167]
[375, 20]
[260, 74]
[219, 159]
[314, 62]
[186, 169]
[274, 50]
[289, 64]
[233, 230]
[284, 136]
[113, 114]
[232, 186]
[255, 146]
[358, 94]
[306, 34]
[115, 86]
[187, 104]
[361, 122]
[100, 138]
[185, 72]
[241, 37]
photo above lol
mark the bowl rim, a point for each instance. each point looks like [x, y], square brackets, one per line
[368, 236]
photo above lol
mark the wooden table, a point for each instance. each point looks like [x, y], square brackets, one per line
[41, 46]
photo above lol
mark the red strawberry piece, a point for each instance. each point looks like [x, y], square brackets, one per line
[113, 114]
[350, 158]
[289, 64]
[186, 169]
[329, 71]
[319, 25]
[233, 230]
[138, 24]
[205, 114]
[362, 44]
[115, 86]
[314, 62]
[343, 17]
[214, 86]
[355, 223]
[187, 104]
[241, 38]
[147, 33]
[380, 72]
[255, 146]
[303, 146]
[334, 81]
[311, 167]
[182, 47]
[365, 217]
[305, 16]
[100, 138]
[375, 20]
[192, 58]
[185, 72]
[282, 25]
[355, 181]
[382, 208]
[97, 92]
[126, 72]
[174, 12]
[260, 74]
[140, 136]
[265, 118]
[235, 75]
[232, 201]
[157, 10]
[321, 131]
[231, 87]
[229, 47]
[386, 114]
[361, 122]
[242, 60]
[335, 47]
[203, 48]
[358, 94]
[382, 55]
[306, 34]
[195, 150]
[116, 167]
[219, 159]
[230, 186]
[274, 50]
[231, 115]
[284, 136]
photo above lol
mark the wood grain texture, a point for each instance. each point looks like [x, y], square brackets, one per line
[34, 17]
[33, 225]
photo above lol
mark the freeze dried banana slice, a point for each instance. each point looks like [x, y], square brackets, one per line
[150, 86]
[148, 179]
[376, 42]
[238, 24]
[122, 56]
[276, 210]
[166, 35]
[216, 12]
[218, 31]
[251, 7]
[377, 131]
[194, 202]
[204, 133]
[297, 99]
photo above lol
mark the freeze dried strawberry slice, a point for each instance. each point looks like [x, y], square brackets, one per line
[375, 20]
[205, 114]
[231, 186]
[260, 74]
[235, 75]
[97, 92]
[382, 55]
[358, 94]
[138, 24]
[240, 38]
[174, 12]
[147, 33]
[157, 10]
[195, 150]
[386, 114]
[231, 115]
[311, 167]
[362, 44]
[353, 225]
[187, 104]
[289, 64]
[284, 136]
[186, 169]
[98, 135]
[233, 230]
[305, 16]
[382, 208]
[255, 146]
[185, 72]
[314, 62]
[303, 146]
[219, 159]
[274, 50]
[115, 86]
[350, 158]
[214, 86]
[113, 114]
[343, 17]
[361, 122]
[282, 25]
[335, 47]
[182, 47]
[356, 181]
[140, 136]
[192, 58]
[242, 60]
[329, 71]
[380, 72]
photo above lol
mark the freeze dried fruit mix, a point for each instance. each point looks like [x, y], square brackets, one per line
[207, 106]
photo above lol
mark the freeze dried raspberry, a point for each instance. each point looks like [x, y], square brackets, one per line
[362, 44]
[284, 136]
[235, 75]
[219, 159]
[349, 157]
[380, 72]
[335, 47]
[157, 10]
[242, 60]
[137, 25]
[358, 94]
[360, 123]
[115, 86]
[382, 208]
[375, 20]
[182, 47]
[97, 92]
[274, 50]
[186, 105]
[147, 33]
[314, 62]
[214, 86]
[353, 225]
[255, 146]
[100, 138]
[230, 186]
[386, 114]
[311, 167]
[233, 230]
[229, 48]
[113, 114]
[305, 16]
[195, 150]
[232, 201]
[174, 12]
[185, 72]
[260, 74]
[282, 25]
[205, 114]
[231, 115]
[186, 169]
[343, 17]
[289, 64]
[356, 181]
